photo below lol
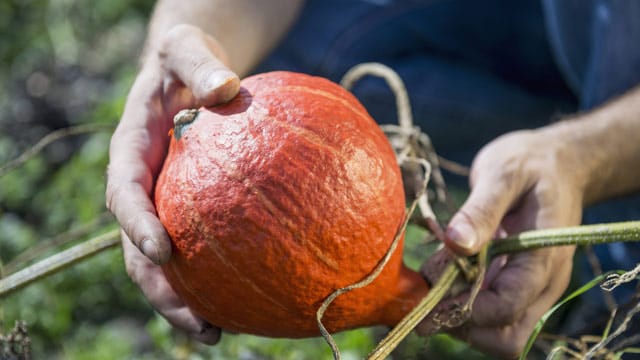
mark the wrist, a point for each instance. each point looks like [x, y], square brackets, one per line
[597, 152]
[569, 149]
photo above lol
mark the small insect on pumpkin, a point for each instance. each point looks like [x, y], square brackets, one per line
[278, 198]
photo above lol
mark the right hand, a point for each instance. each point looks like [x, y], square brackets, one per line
[520, 181]
[186, 70]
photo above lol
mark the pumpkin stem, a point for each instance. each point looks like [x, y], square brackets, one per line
[428, 303]
[182, 120]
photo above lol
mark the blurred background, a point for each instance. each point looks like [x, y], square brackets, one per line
[65, 63]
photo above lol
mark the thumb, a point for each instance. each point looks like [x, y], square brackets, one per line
[198, 61]
[478, 219]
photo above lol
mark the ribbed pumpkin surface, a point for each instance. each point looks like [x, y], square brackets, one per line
[278, 198]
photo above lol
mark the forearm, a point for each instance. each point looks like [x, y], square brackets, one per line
[246, 29]
[605, 147]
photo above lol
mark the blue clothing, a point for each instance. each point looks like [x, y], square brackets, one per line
[467, 66]
[477, 69]
[595, 44]
[480, 67]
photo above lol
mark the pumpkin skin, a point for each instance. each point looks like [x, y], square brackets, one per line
[278, 198]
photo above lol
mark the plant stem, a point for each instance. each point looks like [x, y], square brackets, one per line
[46, 245]
[48, 139]
[528, 240]
[578, 235]
[58, 262]
[426, 305]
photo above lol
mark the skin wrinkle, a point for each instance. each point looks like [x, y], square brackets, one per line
[510, 294]
[138, 270]
[130, 221]
[137, 172]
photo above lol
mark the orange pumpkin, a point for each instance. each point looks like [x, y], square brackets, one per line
[278, 198]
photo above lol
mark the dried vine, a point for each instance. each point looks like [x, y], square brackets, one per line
[47, 245]
[58, 262]
[48, 139]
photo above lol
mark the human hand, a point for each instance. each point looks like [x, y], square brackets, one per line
[186, 70]
[520, 181]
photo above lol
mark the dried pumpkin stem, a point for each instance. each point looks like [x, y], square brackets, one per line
[58, 262]
[481, 270]
[426, 305]
[393, 80]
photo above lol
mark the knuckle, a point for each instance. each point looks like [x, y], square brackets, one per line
[132, 266]
[112, 194]
[132, 272]
[176, 36]
[480, 216]
[132, 227]
[510, 313]
[511, 308]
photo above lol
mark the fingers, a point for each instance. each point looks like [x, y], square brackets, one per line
[136, 215]
[479, 217]
[136, 152]
[506, 310]
[515, 287]
[197, 60]
[129, 185]
[432, 269]
[154, 285]
[508, 341]
[516, 284]
[495, 190]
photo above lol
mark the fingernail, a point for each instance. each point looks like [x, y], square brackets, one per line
[219, 78]
[150, 250]
[205, 327]
[208, 334]
[463, 235]
[220, 87]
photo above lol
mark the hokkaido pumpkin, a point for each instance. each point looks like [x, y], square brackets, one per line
[278, 198]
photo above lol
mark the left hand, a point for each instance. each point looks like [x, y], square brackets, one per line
[521, 181]
[184, 71]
